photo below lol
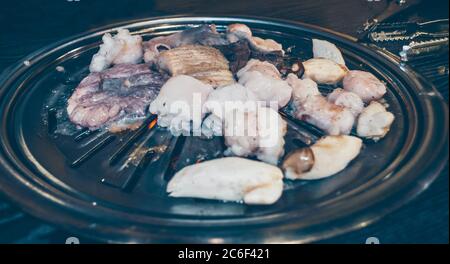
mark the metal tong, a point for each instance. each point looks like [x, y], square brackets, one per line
[394, 7]
[409, 31]
[420, 49]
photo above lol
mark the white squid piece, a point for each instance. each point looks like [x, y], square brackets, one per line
[365, 85]
[229, 179]
[302, 89]
[178, 101]
[118, 49]
[235, 32]
[346, 99]
[220, 101]
[225, 98]
[327, 50]
[264, 84]
[326, 157]
[255, 133]
[374, 122]
[324, 71]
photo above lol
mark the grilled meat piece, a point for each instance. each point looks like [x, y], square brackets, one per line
[264, 84]
[365, 85]
[115, 96]
[236, 32]
[229, 179]
[315, 109]
[237, 53]
[203, 35]
[375, 121]
[204, 63]
[121, 48]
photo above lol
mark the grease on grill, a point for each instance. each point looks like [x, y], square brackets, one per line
[136, 156]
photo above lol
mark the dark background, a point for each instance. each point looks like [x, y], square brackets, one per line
[30, 25]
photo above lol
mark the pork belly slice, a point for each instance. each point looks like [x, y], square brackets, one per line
[117, 97]
[204, 63]
[229, 179]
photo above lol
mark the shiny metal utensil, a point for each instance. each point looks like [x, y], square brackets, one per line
[394, 7]
[422, 48]
[408, 31]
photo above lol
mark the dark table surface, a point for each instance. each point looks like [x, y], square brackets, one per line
[29, 25]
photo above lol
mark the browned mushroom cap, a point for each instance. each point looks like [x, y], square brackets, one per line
[298, 69]
[299, 161]
[289, 65]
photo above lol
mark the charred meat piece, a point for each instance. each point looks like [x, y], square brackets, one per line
[203, 35]
[204, 63]
[237, 53]
[118, 97]
[274, 57]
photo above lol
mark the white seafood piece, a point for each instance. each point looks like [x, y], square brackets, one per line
[220, 101]
[225, 98]
[255, 133]
[374, 121]
[229, 179]
[262, 86]
[346, 99]
[365, 85]
[179, 102]
[331, 155]
[118, 49]
[212, 125]
[302, 89]
[235, 32]
[275, 93]
[324, 71]
[264, 67]
[327, 50]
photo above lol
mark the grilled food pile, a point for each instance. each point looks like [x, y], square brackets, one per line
[241, 87]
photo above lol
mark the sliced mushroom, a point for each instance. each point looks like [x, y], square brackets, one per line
[299, 161]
